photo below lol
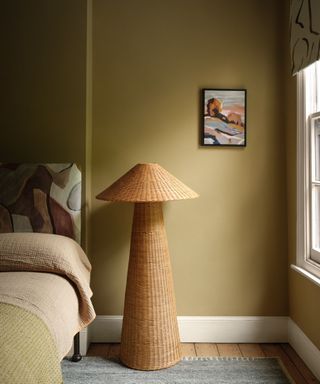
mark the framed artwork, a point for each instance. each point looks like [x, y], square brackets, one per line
[223, 117]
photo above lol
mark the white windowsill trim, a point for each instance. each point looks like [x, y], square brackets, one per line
[306, 274]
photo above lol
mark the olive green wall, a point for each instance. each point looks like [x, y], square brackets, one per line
[43, 81]
[150, 60]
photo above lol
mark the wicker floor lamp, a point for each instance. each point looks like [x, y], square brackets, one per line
[150, 337]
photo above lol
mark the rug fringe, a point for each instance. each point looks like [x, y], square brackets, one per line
[227, 358]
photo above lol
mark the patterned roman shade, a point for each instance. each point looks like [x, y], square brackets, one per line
[304, 33]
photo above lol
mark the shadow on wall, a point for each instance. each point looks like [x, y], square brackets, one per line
[110, 244]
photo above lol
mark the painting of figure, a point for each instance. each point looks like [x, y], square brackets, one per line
[224, 117]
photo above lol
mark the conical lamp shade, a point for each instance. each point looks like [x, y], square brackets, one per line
[147, 183]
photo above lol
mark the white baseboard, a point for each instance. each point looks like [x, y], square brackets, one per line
[233, 329]
[84, 343]
[201, 329]
[106, 329]
[309, 353]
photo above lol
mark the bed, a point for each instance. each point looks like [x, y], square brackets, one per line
[44, 273]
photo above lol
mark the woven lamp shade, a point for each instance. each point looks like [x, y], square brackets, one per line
[150, 336]
[147, 182]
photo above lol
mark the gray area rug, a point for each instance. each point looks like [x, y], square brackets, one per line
[97, 370]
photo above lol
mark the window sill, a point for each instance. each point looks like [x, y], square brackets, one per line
[306, 274]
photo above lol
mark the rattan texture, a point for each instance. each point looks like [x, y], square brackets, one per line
[150, 336]
[147, 182]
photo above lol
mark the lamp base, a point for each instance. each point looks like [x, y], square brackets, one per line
[150, 336]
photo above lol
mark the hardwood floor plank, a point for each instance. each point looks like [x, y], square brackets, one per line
[188, 349]
[275, 350]
[206, 349]
[231, 350]
[301, 366]
[98, 349]
[114, 350]
[251, 350]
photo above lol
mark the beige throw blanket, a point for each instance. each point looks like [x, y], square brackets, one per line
[55, 262]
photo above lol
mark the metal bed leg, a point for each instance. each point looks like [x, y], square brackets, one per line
[76, 349]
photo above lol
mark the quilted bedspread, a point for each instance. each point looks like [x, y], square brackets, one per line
[28, 352]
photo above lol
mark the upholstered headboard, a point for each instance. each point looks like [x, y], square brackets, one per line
[41, 198]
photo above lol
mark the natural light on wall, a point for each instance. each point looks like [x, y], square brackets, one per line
[308, 168]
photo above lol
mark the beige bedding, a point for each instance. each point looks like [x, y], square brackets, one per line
[28, 352]
[49, 276]
[51, 297]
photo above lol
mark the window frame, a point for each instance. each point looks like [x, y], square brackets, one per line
[305, 106]
[314, 183]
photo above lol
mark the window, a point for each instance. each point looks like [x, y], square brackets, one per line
[315, 187]
[308, 167]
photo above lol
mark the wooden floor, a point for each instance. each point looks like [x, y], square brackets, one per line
[293, 363]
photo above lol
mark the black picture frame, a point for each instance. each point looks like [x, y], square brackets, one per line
[223, 117]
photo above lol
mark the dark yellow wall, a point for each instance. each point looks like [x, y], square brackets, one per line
[150, 60]
[42, 77]
[304, 308]
[43, 81]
